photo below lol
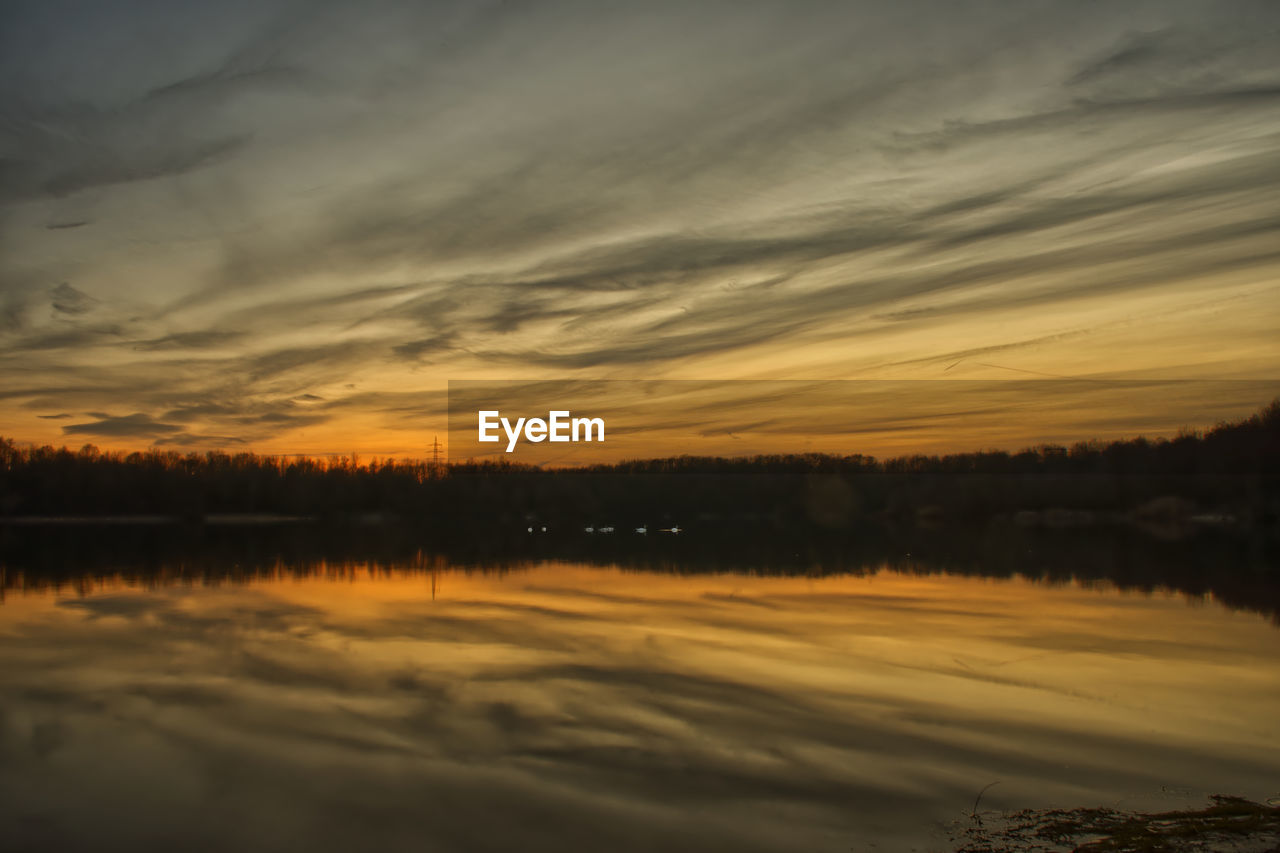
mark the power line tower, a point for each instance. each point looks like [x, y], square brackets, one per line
[436, 469]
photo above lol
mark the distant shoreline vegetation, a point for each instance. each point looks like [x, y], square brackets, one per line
[1241, 572]
[1226, 475]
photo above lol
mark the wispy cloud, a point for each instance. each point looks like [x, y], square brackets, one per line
[286, 205]
[137, 425]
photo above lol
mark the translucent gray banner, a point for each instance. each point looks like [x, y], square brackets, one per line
[575, 422]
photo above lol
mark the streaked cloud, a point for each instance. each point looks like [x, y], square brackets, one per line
[221, 214]
[137, 425]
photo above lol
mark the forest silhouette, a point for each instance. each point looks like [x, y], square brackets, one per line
[1227, 474]
[1196, 513]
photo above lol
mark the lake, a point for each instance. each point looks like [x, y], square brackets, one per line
[551, 704]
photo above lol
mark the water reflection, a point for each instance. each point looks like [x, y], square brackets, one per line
[1239, 571]
[572, 705]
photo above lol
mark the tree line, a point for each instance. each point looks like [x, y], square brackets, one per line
[1231, 468]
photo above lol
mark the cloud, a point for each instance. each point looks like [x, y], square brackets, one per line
[322, 358]
[13, 312]
[199, 410]
[98, 171]
[188, 340]
[288, 205]
[137, 425]
[1171, 59]
[416, 350]
[67, 300]
[282, 418]
[189, 439]
[69, 143]
[66, 150]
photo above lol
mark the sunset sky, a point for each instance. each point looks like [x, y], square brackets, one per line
[286, 226]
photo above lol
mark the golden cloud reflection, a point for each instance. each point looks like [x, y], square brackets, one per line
[630, 709]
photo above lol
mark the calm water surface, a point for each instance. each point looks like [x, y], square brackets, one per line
[576, 707]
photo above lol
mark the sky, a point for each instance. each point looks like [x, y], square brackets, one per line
[285, 227]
